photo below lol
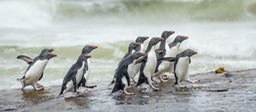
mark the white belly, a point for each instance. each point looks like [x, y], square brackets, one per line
[151, 64]
[173, 51]
[80, 73]
[182, 68]
[142, 47]
[35, 72]
[133, 69]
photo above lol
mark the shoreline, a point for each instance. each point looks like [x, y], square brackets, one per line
[214, 92]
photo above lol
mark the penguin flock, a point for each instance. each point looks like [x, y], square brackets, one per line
[149, 65]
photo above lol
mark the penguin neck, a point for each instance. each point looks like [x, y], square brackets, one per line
[150, 48]
[173, 44]
[162, 44]
[139, 48]
[80, 60]
[42, 57]
[173, 51]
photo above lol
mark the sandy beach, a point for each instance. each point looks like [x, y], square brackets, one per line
[230, 91]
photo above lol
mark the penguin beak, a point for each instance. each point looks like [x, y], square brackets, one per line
[54, 55]
[146, 38]
[51, 49]
[94, 47]
[138, 43]
[195, 53]
[172, 32]
[185, 37]
[142, 53]
[161, 39]
[87, 56]
[158, 51]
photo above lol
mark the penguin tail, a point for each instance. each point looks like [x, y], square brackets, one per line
[112, 82]
[19, 79]
[118, 87]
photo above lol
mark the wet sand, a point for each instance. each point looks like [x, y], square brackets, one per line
[235, 91]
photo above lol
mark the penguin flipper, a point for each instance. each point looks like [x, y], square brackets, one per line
[41, 76]
[170, 59]
[25, 58]
[140, 60]
[189, 60]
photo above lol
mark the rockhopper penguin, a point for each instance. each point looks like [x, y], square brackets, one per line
[181, 65]
[171, 51]
[149, 63]
[131, 49]
[34, 72]
[86, 51]
[123, 71]
[75, 74]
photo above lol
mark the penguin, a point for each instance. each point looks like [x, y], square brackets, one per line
[123, 71]
[163, 46]
[75, 74]
[136, 66]
[131, 49]
[141, 40]
[171, 50]
[34, 72]
[149, 63]
[86, 51]
[181, 65]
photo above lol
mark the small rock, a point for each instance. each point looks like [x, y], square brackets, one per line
[219, 70]
[228, 74]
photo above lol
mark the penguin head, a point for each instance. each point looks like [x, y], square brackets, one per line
[177, 41]
[189, 52]
[155, 40]
[141, 39]
[88, 48]
[46, 54]
[180, 38]
[133, 46]
[166, 34]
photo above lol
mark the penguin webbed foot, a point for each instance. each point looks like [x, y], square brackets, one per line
[38, 87]
[127, 93]
[154, 88]
[112, 82]
[193, 81]
[163, 78]
[178, 86]
[91, 86]
[70, 95]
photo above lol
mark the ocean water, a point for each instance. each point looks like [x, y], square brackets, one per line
[223, 32]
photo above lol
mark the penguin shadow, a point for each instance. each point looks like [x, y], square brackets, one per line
[36, 96]
[136, 99]
[81, 100]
